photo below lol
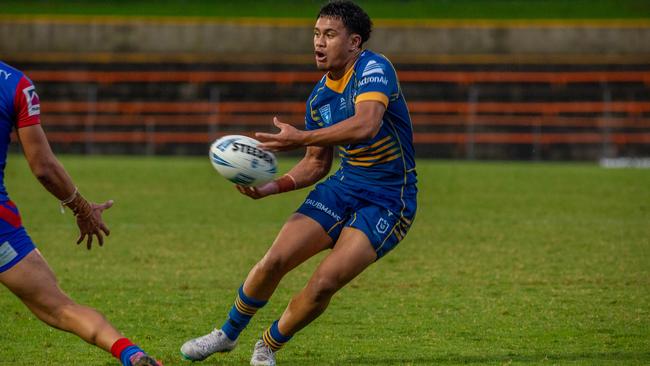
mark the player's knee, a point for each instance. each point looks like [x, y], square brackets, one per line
[81, 320]
[321, 289]
[272, 265]
[66, 312]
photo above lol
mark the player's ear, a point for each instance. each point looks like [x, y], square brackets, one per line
[355, 42]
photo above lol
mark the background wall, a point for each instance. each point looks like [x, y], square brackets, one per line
[554, 88]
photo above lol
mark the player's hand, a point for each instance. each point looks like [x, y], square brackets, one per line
[258, 192]
[90, 223]
[289, 137]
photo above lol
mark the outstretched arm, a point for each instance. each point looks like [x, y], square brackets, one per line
[313, 167]
[363, 126]
[51, 174]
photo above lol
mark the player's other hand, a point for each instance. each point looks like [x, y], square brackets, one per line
[288, 138]
[260, 191]
[90, 222]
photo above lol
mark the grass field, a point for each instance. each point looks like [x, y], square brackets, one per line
[506, 264]
[416, 9]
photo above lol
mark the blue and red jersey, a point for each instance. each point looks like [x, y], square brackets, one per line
[19, 107]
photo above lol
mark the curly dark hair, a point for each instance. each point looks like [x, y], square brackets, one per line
[355, 19]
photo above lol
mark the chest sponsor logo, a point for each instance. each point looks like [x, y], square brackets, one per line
[33, 103]
[326, 114]
[4, 74]
[373, 80]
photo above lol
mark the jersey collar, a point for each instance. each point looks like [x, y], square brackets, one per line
[340, 84]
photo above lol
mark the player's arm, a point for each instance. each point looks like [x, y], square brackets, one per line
[361, 127]
[51, 174]
[315, 165]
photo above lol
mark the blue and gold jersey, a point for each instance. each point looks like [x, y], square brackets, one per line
[385, 163]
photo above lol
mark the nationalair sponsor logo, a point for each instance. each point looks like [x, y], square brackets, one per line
[252, 150]
[373, 68]
[326, 113]
[320, 206]
[5, 74]
[373, 80]
[33, 103]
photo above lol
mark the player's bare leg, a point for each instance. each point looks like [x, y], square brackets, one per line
[351, 255]
[299, 239]
[35, 284]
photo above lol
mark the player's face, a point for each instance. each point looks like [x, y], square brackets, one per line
[334, 46]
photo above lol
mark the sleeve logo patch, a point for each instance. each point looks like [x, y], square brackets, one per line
[33, 103]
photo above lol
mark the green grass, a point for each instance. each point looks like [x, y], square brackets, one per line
[506, 264]
[418, 9]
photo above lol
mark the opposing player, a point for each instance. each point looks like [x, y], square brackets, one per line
[23, 269]
[361, 212]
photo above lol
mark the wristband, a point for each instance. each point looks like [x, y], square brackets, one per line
[69, 199]
[286, 183]
[80, 207]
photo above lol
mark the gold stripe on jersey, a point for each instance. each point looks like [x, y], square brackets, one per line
[373, 155]
[313, 112]
[344, 154]
[364, 164]
[370, 158]
[376, 96]
[364, 149]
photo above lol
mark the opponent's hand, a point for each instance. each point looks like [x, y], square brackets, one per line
[288, 138]
[261, 191]
[90, 223]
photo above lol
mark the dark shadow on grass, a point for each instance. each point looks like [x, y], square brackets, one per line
[488, 359]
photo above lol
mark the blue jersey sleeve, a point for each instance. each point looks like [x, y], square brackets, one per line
[311, 111]
[377, 81]
[310, 124]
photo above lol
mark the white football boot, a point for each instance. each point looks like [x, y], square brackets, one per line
[198, 349]
[262, 355]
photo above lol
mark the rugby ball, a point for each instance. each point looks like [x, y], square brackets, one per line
[238, 159]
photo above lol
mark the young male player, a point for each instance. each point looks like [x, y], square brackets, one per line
[361, 212]
[22, 268]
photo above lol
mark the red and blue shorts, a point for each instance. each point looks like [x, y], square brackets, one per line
[15, 244]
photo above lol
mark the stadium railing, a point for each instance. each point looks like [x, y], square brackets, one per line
[473, 121]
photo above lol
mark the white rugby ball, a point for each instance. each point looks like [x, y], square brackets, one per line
[238, 159]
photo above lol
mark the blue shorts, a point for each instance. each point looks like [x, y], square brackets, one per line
[15, 244]
[335, 207]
